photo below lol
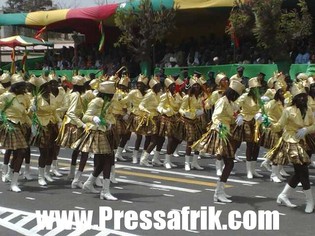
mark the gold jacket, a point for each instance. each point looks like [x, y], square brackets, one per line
[97, 108]
[62, 101]
[273, 110]
[169, 105]
[118, 104]
[291, 121]
[189, 106]
[133, 100]
[248, 106]
[214, 97]
[223, 113]
[46, 112]
[17, 111]
[149, 103]
[75, 111]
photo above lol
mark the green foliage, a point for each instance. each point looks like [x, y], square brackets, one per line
[143, 27]
[26, 5]
[274, 28]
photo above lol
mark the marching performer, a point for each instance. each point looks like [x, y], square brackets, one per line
[97, 139]
[149, 124]
[218, 140]
[133, 100]
[248, 122]
[190, 126]
[168, 107]
[296, 122]
[13, 135]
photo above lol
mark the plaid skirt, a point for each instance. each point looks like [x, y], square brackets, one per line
[168, 126]
[46, 137]
[13, 139]
[215, 145]
[120, 128]
[133, 122]
[285, 153]
[27, 131]
[245, 132]
[269, 139]
[310, 142]
[94, 141]
[70, 135]
[189, 130]
[147, 125]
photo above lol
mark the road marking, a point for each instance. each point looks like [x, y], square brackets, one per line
[159, 186]
[186, 174]
[125, 201]
[173, 179]
[260, 196]
[30, 198]
[157, 182]
[29, 216]
[79, 208]
[76, 192]
[119, 188]
[168, 195]
[165, 190]
[210, 189]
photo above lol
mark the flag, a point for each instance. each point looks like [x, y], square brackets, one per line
[24, 60]
[234, 39]
[13, 61]
[102, 41]
[39, 33]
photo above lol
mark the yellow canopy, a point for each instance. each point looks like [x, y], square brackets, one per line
[190, 4]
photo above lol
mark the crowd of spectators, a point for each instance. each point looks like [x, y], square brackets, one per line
[200, 51]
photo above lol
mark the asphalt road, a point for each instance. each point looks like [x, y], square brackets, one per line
[143, 191]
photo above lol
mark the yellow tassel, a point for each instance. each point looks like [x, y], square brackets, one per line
[257, 132]
[272, 150]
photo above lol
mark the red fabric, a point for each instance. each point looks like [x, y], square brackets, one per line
[94, 13]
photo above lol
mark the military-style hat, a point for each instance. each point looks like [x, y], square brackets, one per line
[107, 87]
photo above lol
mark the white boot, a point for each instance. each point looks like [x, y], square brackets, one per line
[118, 154]
[76, 183]
[176, 153]
[113, 175]
[98, 182]
[219, 195]
[88, 186]
[135, 156]
[9, 175]
[283, 197]
[105, 193]
[41, 177]
[167, 161]
[27, 172]
[255, 173]
[218, 167]
[266, 164]
[274, 177]
[144, 159]
[194, 163]
[187, 163]
[5, 169]
[249, 170]
[283, 172]
[47, 174]
[54, 168]
[71, 173]
[156, 159]
[14, 183]
[309, 201]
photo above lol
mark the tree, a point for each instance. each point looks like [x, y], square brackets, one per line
[27, 5]
[273, 28]
[143, 27]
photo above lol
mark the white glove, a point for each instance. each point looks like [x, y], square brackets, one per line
[126, 117]
[301, 133]
[96, 120]
[168, 110]
[239, 120]
[187, 114]
[258, 117]
[199, 112]
[33, 108]
[109, 126]
[84, 126]
[265, 99]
